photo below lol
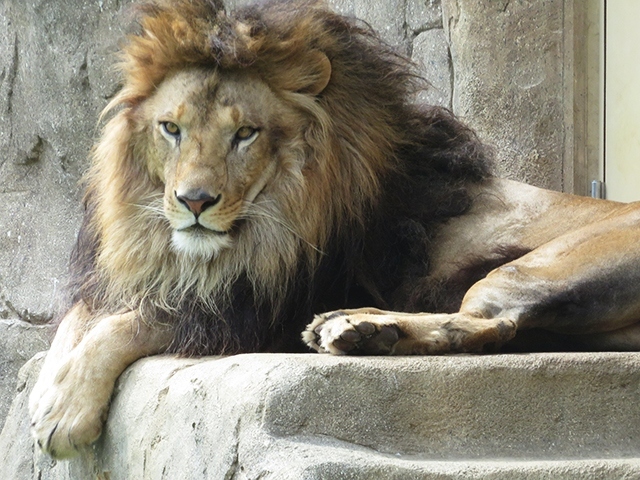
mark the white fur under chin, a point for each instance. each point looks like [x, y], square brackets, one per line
[203, 246]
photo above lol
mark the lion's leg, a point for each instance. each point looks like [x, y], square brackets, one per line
[371, 331]
[585, 282]
[70, 400]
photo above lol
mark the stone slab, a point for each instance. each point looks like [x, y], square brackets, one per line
[266, 416]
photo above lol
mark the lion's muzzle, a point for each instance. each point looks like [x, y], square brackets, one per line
[197, 201]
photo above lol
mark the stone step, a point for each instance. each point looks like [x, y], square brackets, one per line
[317, 416]
[320, 461]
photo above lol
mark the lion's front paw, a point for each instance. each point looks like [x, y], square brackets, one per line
[340, 333]
[374, 332]
[68, 414]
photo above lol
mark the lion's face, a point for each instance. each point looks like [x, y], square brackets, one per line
[214, 145]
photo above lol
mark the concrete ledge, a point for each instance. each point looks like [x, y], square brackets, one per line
[317, 416]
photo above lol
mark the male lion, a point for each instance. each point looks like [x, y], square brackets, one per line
[267, 166]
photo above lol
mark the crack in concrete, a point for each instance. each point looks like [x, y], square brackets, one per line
[35, 153]
[24, 315]
[232, 471]
[452, 77]
[450, 19]
[11, 76]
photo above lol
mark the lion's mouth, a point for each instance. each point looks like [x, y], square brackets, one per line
[200, 230]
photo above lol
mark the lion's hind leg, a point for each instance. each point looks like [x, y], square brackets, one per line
[375, 332]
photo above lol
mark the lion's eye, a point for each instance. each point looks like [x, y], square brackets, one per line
[170, 129]
[245, 133]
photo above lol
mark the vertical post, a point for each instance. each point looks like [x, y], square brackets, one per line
[597, 189]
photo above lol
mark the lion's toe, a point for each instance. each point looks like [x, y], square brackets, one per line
[67, 412]
[62, 430]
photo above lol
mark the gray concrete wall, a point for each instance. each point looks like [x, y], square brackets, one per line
[509, 82]
[499, 65]
[54, 80]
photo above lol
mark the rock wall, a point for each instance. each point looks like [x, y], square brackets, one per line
[54, 80]
[509, 71]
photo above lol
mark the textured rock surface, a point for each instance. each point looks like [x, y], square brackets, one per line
[315, 416]
[17, 454]
[508, 63]
[19, 341]
[54, 59]
[431, 54]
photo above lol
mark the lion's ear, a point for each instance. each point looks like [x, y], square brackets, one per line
[311, 74]
[320, 73]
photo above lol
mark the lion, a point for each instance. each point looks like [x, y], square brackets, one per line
[264, 167]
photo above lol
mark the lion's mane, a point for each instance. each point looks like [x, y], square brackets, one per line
[352, 230]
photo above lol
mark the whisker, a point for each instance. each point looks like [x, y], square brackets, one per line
[255, 210]
[156, 209]
[151, 207]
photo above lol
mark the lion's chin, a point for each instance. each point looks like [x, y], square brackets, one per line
[199, 244]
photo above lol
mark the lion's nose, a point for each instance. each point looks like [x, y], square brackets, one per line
[197, 201]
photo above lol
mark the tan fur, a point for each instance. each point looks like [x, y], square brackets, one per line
[579, 282]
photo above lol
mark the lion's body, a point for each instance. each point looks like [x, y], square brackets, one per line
[267, 167]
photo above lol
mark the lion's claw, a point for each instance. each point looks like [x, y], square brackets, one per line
[67, 411]
[63, 431]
